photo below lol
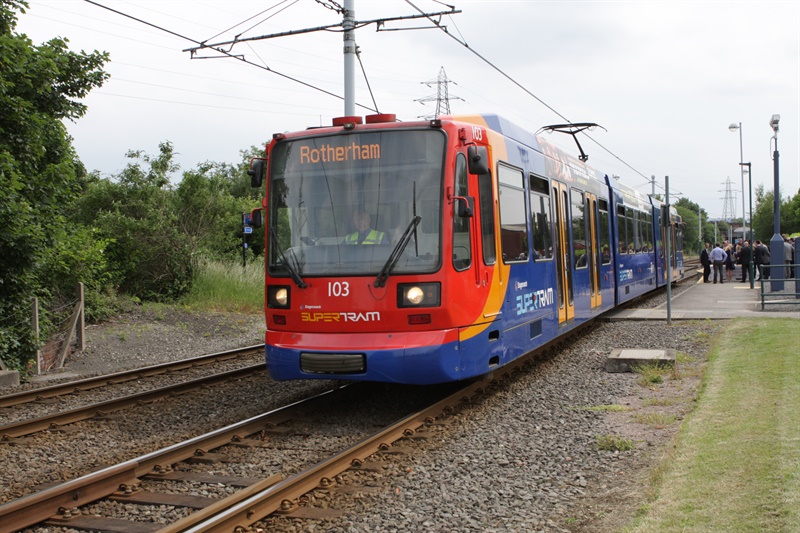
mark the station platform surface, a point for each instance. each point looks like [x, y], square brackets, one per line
[712, 301]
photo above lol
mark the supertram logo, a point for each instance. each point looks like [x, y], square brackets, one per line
[532, 301]
[372, 316]
[327, 153]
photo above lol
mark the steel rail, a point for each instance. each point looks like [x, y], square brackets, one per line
[35, 508]
[241, 513]
[72, 387]
[257, 502]
[55, 420]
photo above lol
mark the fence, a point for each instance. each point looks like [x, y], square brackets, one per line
[55, 351]
[784, 296]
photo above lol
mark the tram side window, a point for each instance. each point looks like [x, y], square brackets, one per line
[487, 218]
[605, 236]
[648, 239]
[462, 243]
[540, 219]
[621, 226]
[578, 229]
[637, 231]
[629, 229]
[513, 221]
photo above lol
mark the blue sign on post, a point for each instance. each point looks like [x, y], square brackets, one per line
[248, 230]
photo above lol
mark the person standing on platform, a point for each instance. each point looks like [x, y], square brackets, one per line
[761, 258]
[729, 266]
[744, 259]
[788, 252]
[718, 257]
[706, 262]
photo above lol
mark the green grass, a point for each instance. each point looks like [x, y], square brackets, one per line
[651, 374]
[223, 286]
[612, 408]
[736, 465]
[614, 443]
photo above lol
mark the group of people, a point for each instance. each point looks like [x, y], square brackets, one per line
[728, 256]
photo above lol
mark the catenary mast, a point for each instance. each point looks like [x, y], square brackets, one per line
[348, 24]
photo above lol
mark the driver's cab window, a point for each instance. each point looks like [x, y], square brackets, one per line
[462, 241]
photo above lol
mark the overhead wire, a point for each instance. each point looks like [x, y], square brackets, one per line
[464, 43]
[252, 17]
[224, 52]
[437, 24]
[209, 106]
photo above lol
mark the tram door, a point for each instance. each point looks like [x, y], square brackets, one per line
[670, 262]
[566, 304]
[592, 248]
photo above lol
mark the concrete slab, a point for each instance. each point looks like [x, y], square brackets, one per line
[626, 359]
[9, 378]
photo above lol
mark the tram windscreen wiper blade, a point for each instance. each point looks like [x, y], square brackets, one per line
[292, 272]
[394, 257]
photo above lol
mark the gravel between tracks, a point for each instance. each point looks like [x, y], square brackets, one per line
[524, 457]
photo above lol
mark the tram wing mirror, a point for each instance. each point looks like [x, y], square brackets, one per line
[466, 206]
[257, 170]
[256, 220]
[664, 216]
[478, 157]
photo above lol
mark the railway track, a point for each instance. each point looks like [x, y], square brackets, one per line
[83, 385]
[57, 420]
[257, 497]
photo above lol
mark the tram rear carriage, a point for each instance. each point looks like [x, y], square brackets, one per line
[484, 242]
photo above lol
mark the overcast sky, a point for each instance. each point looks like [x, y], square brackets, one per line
[665, 79]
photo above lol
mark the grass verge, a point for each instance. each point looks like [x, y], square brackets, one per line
[736, 466]
[228, 287]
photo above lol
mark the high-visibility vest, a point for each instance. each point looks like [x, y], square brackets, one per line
[373, 237]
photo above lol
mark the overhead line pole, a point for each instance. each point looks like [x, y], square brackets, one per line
[348, 24]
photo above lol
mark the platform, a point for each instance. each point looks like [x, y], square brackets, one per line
[712, 301]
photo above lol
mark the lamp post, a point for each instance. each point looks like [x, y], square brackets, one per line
[776, 242]
[735, 127]
[750, 223]
[700, 228]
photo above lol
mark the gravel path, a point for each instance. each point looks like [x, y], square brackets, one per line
[524, 457]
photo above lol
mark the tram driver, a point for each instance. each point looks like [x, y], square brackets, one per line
[364, 233]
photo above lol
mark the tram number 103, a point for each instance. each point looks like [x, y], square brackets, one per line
[338, 288]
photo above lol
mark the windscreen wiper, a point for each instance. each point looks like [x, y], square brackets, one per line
[292, 271]
[394, 257]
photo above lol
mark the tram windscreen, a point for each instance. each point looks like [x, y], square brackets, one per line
[339, 204]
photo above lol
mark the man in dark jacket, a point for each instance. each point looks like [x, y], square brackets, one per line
[761, 257]
[745, 254]
[706, 262]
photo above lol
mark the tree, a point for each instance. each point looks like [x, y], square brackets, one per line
[40, 174]
[210, 213]
[691, 238]
[148, 255]
[764, 213]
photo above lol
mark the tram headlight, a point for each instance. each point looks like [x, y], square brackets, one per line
[278, 297]
[419, 295]
[414, 295]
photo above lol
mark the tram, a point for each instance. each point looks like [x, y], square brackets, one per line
[433, 251]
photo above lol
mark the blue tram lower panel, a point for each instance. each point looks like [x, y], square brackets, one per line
[419, 358]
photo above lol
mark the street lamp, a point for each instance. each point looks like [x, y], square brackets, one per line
[776, 242]
[750, 222]
[734, 128]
